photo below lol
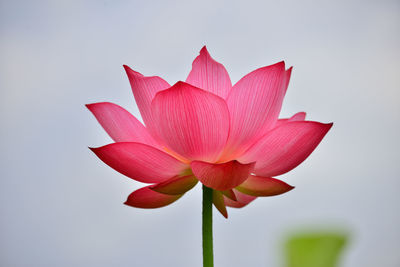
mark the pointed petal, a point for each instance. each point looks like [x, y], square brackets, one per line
[263, 186]
[288, 73]
[254, 104]
[140, 162]
[242, 200]
[221, 176]
[144, 89]
[175, 186]
[120, 124]
[209, 75]
[218, 200]
[229, 194]
[192, 122]
[300, 116]
[146, 198]
[285, 147]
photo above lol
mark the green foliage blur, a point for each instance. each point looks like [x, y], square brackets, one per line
[315, 249]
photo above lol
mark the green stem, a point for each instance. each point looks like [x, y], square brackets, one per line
[208, 256]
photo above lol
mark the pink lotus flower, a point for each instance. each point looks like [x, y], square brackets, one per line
[227, 137]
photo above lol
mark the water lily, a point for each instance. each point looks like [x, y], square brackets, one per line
[204, 129]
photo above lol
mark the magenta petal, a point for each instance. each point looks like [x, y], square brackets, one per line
[209, 75]
[300, 116]
[218, 201]
[285, 147]
[221, 176]
[176, 185]
[191, 122]
[120, 124]
[288, 73]
[140, 162]
[146, 198]
[263, 186]
[144, 89]
[242, 200]
[254, 104]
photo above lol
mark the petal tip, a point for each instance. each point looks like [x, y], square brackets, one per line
[129, 71]
[126, 67]
[328, 126]
[89, 106]
[204, 50]
[281, 64]
[94, 149]
[92, 105]
[179, 83]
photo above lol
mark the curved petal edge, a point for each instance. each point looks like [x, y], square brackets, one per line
[242, 200]
[218, 201]
[140, 162]
[263, 186]
[285, 147]
[191, 122]
[175, 186]
[209, 75]
[221, 176]
[146, 198]
[120, 125]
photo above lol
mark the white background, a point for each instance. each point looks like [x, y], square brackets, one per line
[61, 206]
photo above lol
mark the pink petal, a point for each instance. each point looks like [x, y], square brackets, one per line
[242, 200]
[263, 186]
[221, 176]
[140, 162]
[209, 75]
[120, 124]
[146, 198]
[144, 89]
[300, 116]
[288, 73]
[285, 147]
[218, 200]
[192, 122]
[229, 194]
[176, 186]
[254, 104]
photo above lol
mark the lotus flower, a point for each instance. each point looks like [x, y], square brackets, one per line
[227, 137]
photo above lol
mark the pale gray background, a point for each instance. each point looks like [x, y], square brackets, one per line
[61, 206]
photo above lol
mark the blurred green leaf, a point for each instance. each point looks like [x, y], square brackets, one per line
[320, 249]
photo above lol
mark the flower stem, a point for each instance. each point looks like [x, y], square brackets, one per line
[208, 256]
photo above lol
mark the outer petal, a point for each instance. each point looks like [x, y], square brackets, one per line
[229, 194]
[192, 122]
[242, 200]
[221, 176]
[140, 162]
[120, 124]
[300, 116]
[263, 186]
[288, 73]
[218, 200]
[176, 185]
[254, 104]
[144, 89]
[285, 147]
[209, 75]
[146, 198]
